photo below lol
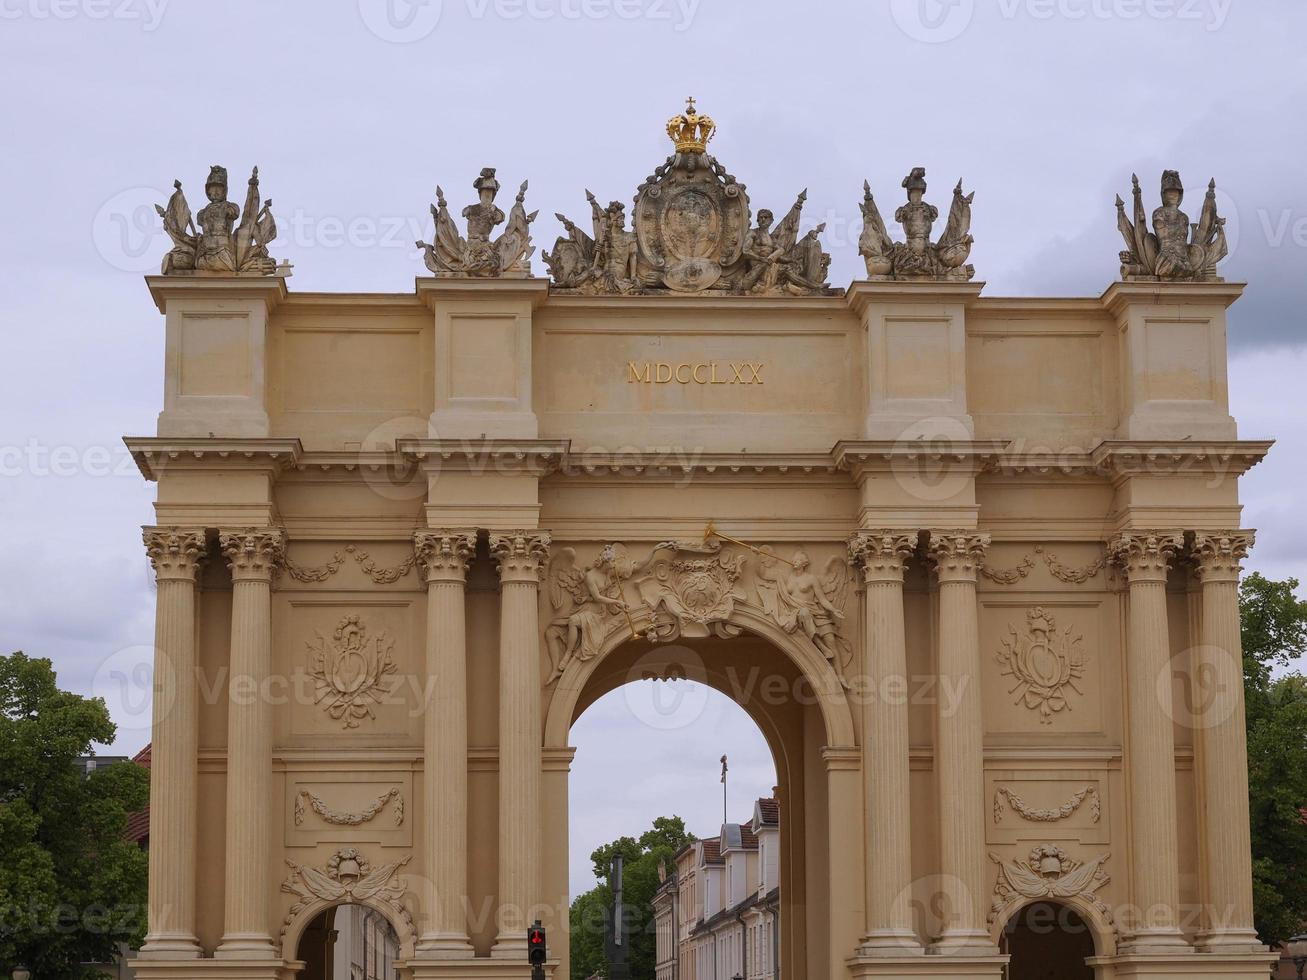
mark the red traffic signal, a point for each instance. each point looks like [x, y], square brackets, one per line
[537, 948]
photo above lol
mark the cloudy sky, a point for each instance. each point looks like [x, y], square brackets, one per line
[355, 109]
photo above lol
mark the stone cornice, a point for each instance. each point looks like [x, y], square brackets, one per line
[533, 457]
[432, 290]
[683, 302]
[1119, 295]
[154, 455]
[1131, 458]
[270, 289]
[881, 456]
[863, 292]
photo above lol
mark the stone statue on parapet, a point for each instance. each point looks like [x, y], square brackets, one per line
[1174, 250]
[691, 233]
[220, 246]
[779, 260]
[508, 255]
[918, 258]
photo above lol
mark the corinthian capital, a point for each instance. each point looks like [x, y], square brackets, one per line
[957, 555]
[519, 554]
[882, 555]
[1217, 554]
[175, 552]
[443, 555]
[254, 554]
[1145, 556]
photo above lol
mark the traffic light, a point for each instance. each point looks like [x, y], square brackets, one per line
[536, 945]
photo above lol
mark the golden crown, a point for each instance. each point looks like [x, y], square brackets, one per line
[691, 131]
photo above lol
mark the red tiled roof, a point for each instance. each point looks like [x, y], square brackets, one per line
[712, 851]
[138, 824]
[770, 810]
[748, 840]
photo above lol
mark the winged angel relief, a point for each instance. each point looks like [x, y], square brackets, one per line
[801, 601]
[688, 589]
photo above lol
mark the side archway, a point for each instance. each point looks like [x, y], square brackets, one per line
[303, 914]
[1040, 930]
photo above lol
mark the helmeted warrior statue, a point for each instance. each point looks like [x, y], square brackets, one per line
[508, 255]
[691, 233]
[1171, 251]
[918, 257]
[220, 246]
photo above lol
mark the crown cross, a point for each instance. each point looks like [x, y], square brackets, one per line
[691, 131]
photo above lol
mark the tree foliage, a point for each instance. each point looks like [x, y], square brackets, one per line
[1274, 629]
[71, 886]
[589, 913]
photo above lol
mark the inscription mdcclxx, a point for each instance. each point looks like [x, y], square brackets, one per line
[701, 373]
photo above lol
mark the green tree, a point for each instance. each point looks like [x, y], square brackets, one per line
[1274, 630]
[588, 916]
[71, 886]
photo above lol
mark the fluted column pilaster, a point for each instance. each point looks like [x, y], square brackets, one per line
[519, 556]
[254, 556]
[956, 557]
[176, 554]
[882, 557]
[1145, 557]
[1222, 746]
[443, 557]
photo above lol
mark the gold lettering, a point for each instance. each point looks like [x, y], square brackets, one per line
[695, 374]
[680, 380]
[635, 373]
[738, 371]
[757, 376]
[661, 366]
[715, 381]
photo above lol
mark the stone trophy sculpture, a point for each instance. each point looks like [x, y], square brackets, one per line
[1174, 250]
[918, 257]
[220, 246]
[450, 254]
[691, 233]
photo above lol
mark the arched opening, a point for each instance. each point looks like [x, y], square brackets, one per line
[1048, 940]
[349, 942]
[783, 925]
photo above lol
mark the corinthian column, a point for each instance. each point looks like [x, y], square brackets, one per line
[519, 555]
[960, 743]
[176, 554]
[1145, 557]
[1223, 746]
[254, 556]
[444, 556]
[882, 556]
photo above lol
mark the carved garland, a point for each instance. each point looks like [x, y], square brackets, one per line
[343, 819]
[1008, 576]
[379, 575]
[1038, 815]
[1072, 576]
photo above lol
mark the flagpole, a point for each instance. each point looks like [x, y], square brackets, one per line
[724, 808]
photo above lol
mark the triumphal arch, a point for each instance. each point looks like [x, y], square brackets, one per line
[969, 561]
